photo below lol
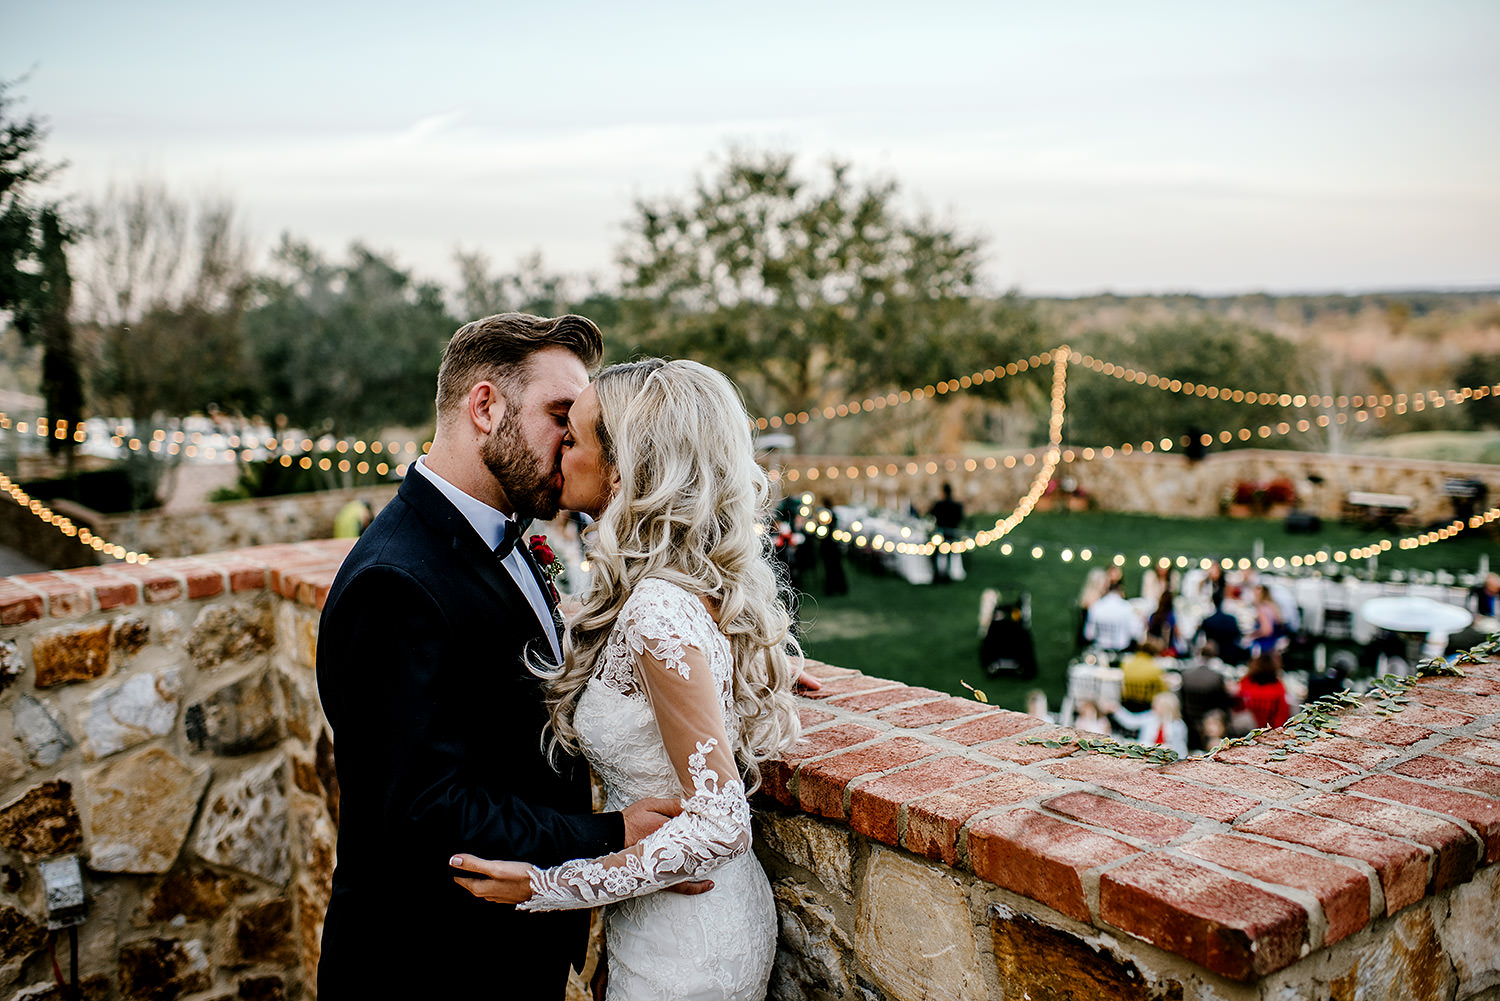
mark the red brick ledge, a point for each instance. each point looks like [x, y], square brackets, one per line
[301, 571]
[1241, 863]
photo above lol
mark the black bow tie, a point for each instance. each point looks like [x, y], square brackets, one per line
[514, 529]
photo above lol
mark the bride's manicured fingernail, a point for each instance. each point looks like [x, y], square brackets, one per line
[456, 862]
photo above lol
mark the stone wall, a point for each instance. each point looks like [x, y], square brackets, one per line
[161, 722]
[208, 528]
[1149, 483]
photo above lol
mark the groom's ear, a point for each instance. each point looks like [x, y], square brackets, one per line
[486, 406]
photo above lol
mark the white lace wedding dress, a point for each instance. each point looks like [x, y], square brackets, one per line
[655, 721]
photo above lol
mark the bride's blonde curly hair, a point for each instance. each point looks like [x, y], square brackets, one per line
[689, 509]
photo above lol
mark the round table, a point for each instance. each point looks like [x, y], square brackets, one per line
[1415, 616]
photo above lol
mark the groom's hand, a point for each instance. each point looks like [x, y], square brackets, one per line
[646, 815]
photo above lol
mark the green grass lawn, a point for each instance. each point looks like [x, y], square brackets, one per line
[929, 635]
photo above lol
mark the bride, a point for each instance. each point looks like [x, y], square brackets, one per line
[676, 681]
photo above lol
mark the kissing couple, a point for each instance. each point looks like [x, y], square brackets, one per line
[460, 703]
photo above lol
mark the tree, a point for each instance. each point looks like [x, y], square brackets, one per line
[348, 347]
[531, 288]
[35, 283]
[809, 294]
[1103, 410]
[166, 287]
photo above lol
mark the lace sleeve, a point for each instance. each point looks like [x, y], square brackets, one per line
[714, 826]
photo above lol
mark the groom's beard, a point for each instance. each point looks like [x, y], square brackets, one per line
[528, 480]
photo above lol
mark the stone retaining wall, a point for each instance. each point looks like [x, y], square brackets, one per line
[161, 722]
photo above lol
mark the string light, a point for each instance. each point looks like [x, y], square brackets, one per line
[65, 525]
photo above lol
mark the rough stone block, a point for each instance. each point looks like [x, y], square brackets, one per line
[163, 969]
[270, 988]
[1406, 963]
[224, 634]
[20, 936]
[823, 849]
[240, 718]
[11, 768]
[192, 894]
[813, 952]
[11, 664]
[263, 934]
[131, 634]
[913, 930]
[312, 841]
[1035, 960]
[244, 823]
[140, 808]
[60, 656]
[131, 713]
[1228, 926]
[1471, 934]
[42, 821]
[41, 735]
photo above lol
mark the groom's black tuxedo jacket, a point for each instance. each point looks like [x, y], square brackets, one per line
[436, 727]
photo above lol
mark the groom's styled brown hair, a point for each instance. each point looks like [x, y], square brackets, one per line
[498, 349]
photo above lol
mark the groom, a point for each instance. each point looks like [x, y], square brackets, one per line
[437, 722]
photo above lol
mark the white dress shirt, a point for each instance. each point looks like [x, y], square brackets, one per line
[1113, 623]
[490, 524]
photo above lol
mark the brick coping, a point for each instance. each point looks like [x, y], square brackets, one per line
[1242, 863]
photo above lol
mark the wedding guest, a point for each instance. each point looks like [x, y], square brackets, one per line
[1484, 599]
[1141, 677]
[1112, 622]
[1087, 719]
[1265, 639]
[1036, 705]
[1223, 631]
[1203, 690]
[1262, 693]
[1158, 580]
[1213, 728]
[1161, 627]
[948, 515]
[1095, 585]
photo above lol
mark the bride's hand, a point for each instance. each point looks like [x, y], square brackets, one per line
[500, 882]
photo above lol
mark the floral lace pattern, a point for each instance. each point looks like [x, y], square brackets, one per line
[654, 722]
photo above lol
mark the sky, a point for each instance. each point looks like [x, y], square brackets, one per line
[1317, 145]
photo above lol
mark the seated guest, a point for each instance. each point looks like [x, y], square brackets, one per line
[1036, 705]
[1223, 631]
[1204, 690]
[1161, 627]
[1162, 725]
[1141, 678]
[1484, 599]
[1112, 623]
[1086, 718]
[1213, 728]
[1262, 693]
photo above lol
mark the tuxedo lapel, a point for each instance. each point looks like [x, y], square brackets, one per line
[468, 548]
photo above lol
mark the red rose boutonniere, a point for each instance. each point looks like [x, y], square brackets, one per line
[545, 558]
